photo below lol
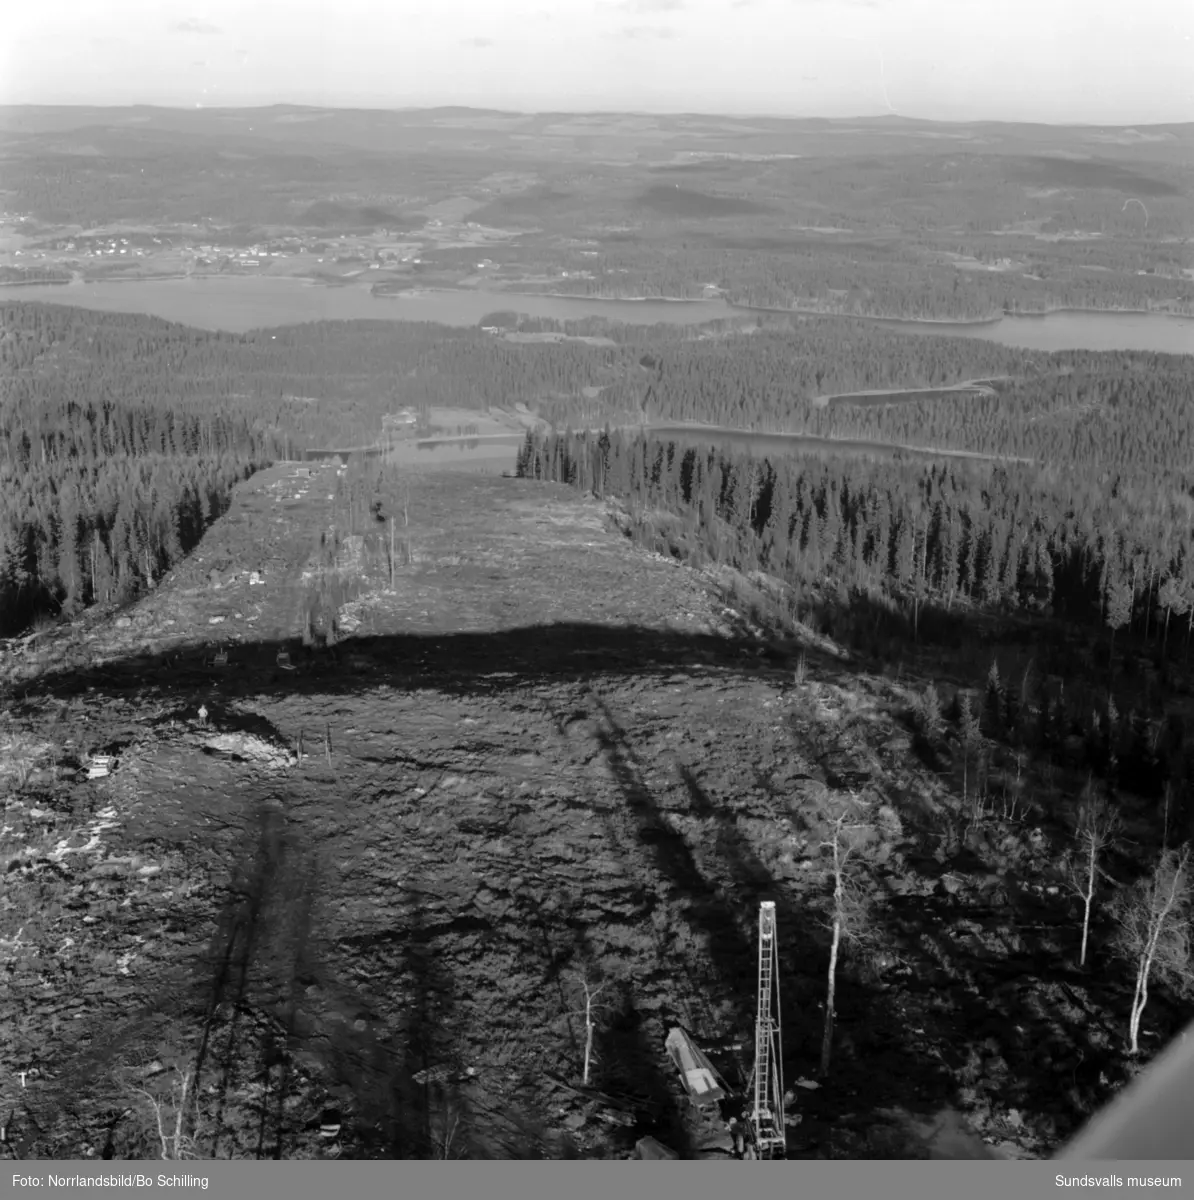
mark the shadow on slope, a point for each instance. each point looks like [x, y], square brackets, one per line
[700, 889]
[453, 663]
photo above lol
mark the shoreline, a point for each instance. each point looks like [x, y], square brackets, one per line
[615, 299]
[820, 439]
[966, 387]
[977, 322]
[37, 283]
[993, 319]
[1094, 312]
[719, 309]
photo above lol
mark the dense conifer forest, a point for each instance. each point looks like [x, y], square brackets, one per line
[880, 278]
[946, 536]
[121, 437]
[887, 552]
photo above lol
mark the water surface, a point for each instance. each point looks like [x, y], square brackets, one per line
[238, 304]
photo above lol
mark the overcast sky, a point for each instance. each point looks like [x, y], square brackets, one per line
[1126, 62]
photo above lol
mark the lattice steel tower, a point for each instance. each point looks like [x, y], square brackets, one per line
[767, 1105]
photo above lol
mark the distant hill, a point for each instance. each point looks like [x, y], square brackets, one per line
[584, 135]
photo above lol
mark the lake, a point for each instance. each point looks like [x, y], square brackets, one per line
[257, 302]
[498, 453]
[241, 303]
[491, 454]
[1071, 331]
[773, 444]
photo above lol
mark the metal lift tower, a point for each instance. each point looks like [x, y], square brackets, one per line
[767, 1127]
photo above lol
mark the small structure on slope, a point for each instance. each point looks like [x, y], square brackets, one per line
[704, 1085]
[100, 766]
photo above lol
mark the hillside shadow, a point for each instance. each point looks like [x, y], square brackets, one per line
[455, 663]
[282, 1016]
[201, 1016]
[720, 902]
[393, 1104]
[390, 1071]
[242, 937]
[627, 1074]
[1017, 1026]
[404, 1082]
[623, 1045]
[878, 629]
[706, 905]
[398, 1047]
[276, 1000]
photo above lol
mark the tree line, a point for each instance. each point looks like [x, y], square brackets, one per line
[104, 484]
[331, 383]
[89, 400]
[1010, 539]
[845, 277]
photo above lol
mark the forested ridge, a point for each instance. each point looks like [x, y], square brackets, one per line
[880, 278]
[121, 435]
[1008, 539]
[1120, 412]
[942, 236]
[105, 481]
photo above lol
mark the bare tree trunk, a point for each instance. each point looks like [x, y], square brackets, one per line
[1135, 577]
[178, 1113]
[830, 995]
[1098, 828]
[1088, 899]
[1139, 1000]
[588, 1036]
[1169, 907]
[1085, 927]
[590, 1010]
[406, 523]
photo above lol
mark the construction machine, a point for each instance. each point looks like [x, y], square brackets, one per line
[767, 1137]
[758, 1124]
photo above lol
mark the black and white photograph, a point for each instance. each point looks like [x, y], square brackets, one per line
[596, 580]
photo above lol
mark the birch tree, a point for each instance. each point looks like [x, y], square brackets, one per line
[1172, 599]
[1098, 826]
[1154, 931]
[850, 834]
[588, 990]
[176, 1137]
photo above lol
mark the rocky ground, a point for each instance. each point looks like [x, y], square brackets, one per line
[367, 893]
